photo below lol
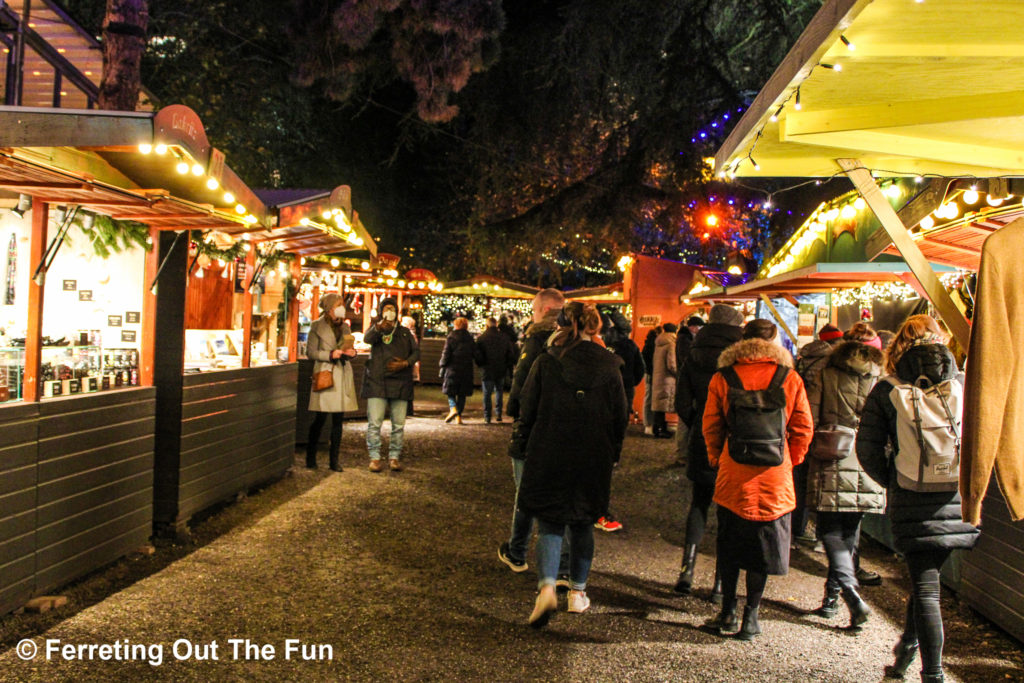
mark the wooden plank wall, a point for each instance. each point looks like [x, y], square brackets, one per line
[95, 495]
[19, 426]
[237, 430]
[993, 572]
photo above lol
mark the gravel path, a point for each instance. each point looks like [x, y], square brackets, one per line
[398, 574]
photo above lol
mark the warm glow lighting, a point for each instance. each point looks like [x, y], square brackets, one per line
[246, 246]
[993, 201]
[335, 262]
[949, 211]
[325, 215]
[199, 272]
[145, 149]
[735, 270]
[893, 191]
[971, 197]
[711, 220]
[197, 170]
[212, 184]
[239, 208]
[859, 203]
[927, 223]
[365, 265]
[229, 198]
[182, 167]
[160, 149]
[401, 283]
[303, 221]
[848, 212]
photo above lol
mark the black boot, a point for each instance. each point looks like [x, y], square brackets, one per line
[311, 456]
[933, 678]
[829, 604]
[904, 653]
[751, 628]
[859, 610]
[726, 621]
[685, 581]
[335, 462]
[716, 590]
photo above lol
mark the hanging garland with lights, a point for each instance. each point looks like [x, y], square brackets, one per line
[888, 291]
[110, 236]
[438, 309]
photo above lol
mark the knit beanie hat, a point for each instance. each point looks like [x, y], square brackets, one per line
[725, 315]
[829, 332]
[695, 321]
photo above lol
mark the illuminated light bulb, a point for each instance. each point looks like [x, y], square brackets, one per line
[971, 197]
[160, 149]
[401, 283]
[422, 285]
[848, 212]
[325, 215]
[412, 285]
[849, 46]
[832, 214]
[302, 260]
[221, 262]
[380, 279]
[212, 184]
[735, 270]
[711, 220]
[893, 191]
[199, 272]
[246, 246]
[145, 149]
[927, 223]
[303, 221]
[993, 201]
[918, 179]
[251, 219]
[798, 106]
[197, 170]
[225, 273]
[767, 204]
[335, 262]
[365, 265]
[229, 198]
[859, 203]
[181, 168]
[358, 241]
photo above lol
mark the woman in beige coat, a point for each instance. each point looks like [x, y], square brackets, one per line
[663, 379]
[325, 343]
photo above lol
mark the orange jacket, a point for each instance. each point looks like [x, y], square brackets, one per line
[760, 494]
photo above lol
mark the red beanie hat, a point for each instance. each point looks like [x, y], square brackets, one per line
[829, 332]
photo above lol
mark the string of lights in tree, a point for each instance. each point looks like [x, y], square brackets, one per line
[574, 265]
[715, 128]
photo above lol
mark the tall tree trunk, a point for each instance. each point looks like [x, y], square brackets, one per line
[124, 41]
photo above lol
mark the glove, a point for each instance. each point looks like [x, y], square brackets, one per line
[396, 364]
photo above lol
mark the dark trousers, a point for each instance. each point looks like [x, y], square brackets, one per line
[801, 512]
[457, 402]
[924, 614]
[839, 532]
[337, 421]
[660, 423]
[697, 520]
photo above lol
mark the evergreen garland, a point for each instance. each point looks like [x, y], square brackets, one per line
[111, 236]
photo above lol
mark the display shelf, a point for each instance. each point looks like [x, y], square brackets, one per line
[70, 369]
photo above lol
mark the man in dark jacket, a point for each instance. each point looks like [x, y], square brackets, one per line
[615, 332]
[496, 355]
[387, 383]
[812, 360]
[684, 340]
[546, 306]
[648, 355]
[723, 330]
[507, 329]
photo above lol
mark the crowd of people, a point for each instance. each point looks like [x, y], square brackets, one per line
[860, 422]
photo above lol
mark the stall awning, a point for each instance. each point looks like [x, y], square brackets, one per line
[933, 87]
[819, 278]
[608, 294]
[482, 285]
[319, 222]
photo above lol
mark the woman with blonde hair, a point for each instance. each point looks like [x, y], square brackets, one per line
[571, 424]
[926, 525]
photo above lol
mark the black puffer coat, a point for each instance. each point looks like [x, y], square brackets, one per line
[571, 425]
[692, 392]
[457, 364]
[920, 521]
[495, 354]
[534, 341]
[684, 340]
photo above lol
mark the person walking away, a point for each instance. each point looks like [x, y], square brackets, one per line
[387, 382]
[757, 424]
[809, 363]
[723, 330]
[923, 503]
[409, 323]
[496, 355]
[457, 369]
[571, 425]
[506, 328]
[838, 489]
[684, 340]
[546, 306]
[648, 356]
[330, 345]
[663, 379]
[616, 333]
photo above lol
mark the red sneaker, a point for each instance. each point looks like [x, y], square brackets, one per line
[608, 523]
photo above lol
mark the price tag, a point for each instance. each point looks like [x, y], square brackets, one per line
[70, 285]
[127, 335]
[132, 317]
[113, 321]
[85, 295]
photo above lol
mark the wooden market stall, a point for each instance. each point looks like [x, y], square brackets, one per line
[928, 91]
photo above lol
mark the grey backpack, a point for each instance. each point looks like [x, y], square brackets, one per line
[928, 433]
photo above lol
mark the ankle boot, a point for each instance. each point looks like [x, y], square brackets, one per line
[829, 604]
[859, 610]
[685, 581]
[751, 627]
[335, 462]
[311, 456]
[716, 590]
[726, 621]
[904, 653]
[933, 678]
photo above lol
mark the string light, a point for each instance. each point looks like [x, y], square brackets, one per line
[849, 46]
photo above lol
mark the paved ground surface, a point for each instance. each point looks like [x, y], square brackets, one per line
[398, 574]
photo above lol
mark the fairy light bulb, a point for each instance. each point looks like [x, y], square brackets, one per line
[927, 223]
[160, 149]
[197, 170]
[971, 196]
[212, 184]
[181, 168]
[145, 149]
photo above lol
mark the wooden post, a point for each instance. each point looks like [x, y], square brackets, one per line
[367, 298]
[250, 271]
[293, 313]
[31, 389]
[919, 266]
[778, 318]
[314, 303]
[149, 311]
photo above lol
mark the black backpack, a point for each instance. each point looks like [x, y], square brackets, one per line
[756, 420]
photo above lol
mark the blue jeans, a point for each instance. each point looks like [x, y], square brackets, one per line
[492, 386]
[375, 410]
[522, 525]
[457, 402]
[549, 550]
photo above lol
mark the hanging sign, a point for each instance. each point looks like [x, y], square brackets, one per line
[650, 320]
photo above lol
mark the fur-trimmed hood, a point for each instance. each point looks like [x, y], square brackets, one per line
[856, 358]
[755, 351]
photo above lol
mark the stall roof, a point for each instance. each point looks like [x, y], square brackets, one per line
[482, 285]
[932, 87]
[608, 294]
[312, 222]
[815, 279]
